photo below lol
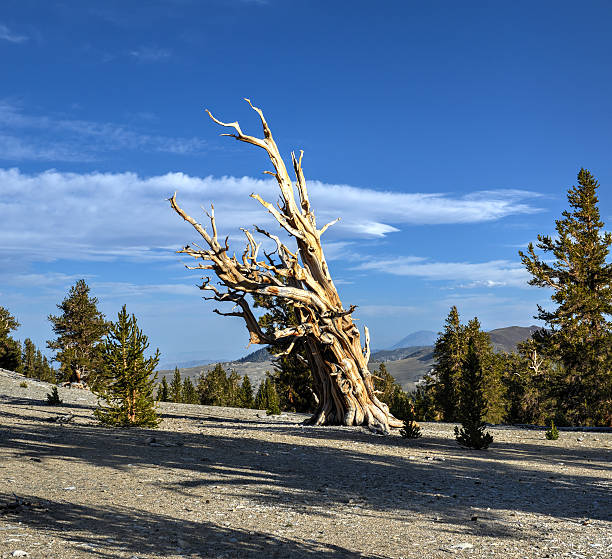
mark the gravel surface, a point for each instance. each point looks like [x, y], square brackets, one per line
[222, 482]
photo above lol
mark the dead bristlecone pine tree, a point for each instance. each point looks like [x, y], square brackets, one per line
[299, 275]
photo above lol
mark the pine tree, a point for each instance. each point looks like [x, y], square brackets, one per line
[176, 387]
[473, 407]
[53, 398]
[232, 388]
[553, 433]
[163, 392]
[213, 387]
[575, 266]
[29, 358]
[449, 351]
[411, 429]
[492, 367]
[127, 378]
[267, 397]
[79, 328]
[188, 392]
[10, 349]
[245, 394]
[292, 376]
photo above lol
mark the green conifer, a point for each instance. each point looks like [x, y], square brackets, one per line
[213, 387]
[449, 351]
[29, 358]
[245, 394]
[267, 397]
[10, 349]
[163, 392]
[127, 378]
[79, 328]
[575, 265]
[473, 407]
[553, 433]
[232, 390]
[176, 387]
[53, 398]
[188, 392]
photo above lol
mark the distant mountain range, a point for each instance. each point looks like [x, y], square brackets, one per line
[407, 364]
[420, 338]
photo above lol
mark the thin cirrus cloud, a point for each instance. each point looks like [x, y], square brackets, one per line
[493, 273]
[123, 216]
[150, 54]
[7, 35]
[44, 138]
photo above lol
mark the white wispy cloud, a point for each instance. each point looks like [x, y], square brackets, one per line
[150, 54]
[10, 36]
[121, 215]
[494, 273]
[44, 138]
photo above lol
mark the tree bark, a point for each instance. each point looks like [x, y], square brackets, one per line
[342, 383]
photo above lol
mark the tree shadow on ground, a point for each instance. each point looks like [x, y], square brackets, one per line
[442, 482]
[106, 531]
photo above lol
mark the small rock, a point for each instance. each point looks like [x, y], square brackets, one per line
[580, 439]
[20, 553]
[70, 488]
[474, 518]
[462, 546]
[151, 440]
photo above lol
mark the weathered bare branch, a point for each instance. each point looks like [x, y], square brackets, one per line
[343, 384]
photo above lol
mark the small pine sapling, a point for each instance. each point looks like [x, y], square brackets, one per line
[23, 384]
[553, 433]
[53, 398]
[127, 377]
[472, 406]
[411, 429]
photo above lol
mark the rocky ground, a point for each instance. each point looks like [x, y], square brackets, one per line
[220, 482]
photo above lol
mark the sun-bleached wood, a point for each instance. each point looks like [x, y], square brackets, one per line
[342, 383]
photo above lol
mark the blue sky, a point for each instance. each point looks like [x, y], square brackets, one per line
[444, 134]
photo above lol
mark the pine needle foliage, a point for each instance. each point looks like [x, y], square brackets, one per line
[553, 433]
[127, 379]
[163, 392]
[10, 349]
[575, 265]
[245, 394]
[189, 393]
[176, 387]
[53, 398]
[79, 329]
[411, 429]
[267, 397]
[473, 406]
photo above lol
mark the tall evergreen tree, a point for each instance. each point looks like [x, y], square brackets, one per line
[473, 406]
[492, 366]
[267, 397]
[29, 358]
[127, 377]
[10, 349]
[245, 394]
[79, 328]
[449, 351]
[213, 387]
[575, 265]
[176, 387]
[189, 394]
[163, 392]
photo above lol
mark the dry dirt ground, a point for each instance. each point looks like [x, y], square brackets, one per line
[219, 482]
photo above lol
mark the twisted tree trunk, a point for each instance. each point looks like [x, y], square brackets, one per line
[343, 385]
